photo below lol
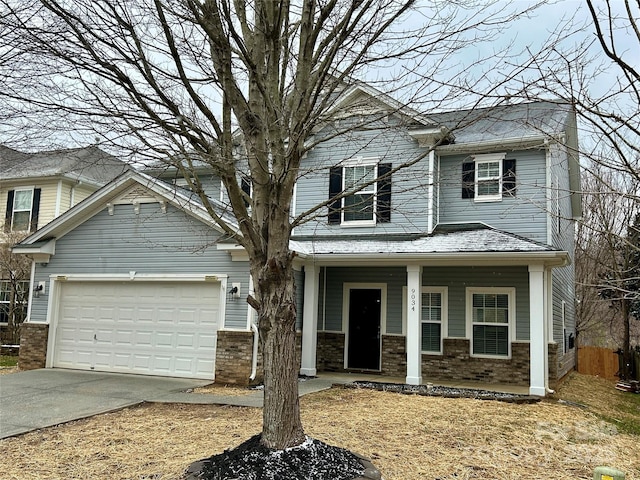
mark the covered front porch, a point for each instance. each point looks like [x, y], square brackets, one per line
[372, 314]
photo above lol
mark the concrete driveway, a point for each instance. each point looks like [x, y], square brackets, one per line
[41, 398]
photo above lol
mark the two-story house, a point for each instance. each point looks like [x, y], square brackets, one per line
[443, 251]
[35, 188]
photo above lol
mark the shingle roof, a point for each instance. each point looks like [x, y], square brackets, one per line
[88, 164]
[515, 121]
[480, 239]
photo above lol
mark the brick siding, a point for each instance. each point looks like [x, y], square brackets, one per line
[33, 346]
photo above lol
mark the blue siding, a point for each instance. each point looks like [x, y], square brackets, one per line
[387, 144]
[524, 214]
[150, 242]
[457, 279]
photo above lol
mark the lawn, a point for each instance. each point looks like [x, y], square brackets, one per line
[587, 423]
[8, 361]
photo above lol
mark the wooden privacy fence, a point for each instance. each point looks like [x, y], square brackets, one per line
[602, 362]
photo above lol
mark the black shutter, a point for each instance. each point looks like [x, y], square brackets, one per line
[335, 188]
[35, 209]
[245, 184]
[468, 180]
[509, 177]
[383, 214]
[9, 213]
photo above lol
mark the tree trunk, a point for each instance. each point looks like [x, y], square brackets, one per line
[282, 427]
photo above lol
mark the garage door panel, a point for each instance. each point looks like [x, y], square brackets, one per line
[157, 328]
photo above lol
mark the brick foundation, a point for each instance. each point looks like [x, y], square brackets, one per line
[234, 352]
[456, 363]
[33, 346]
[394, 355]
[330, 352]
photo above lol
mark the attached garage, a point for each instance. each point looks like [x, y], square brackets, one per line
[163, 327]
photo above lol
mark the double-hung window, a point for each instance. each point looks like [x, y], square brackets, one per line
[491, 314]
[364, 188]
[489, 177]
[433, 318]
[13, 301]
[22, 210]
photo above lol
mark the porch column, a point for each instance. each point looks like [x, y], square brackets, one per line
[537, 337]
[414, 301]
[310, 320]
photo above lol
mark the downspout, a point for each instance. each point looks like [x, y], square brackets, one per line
[256, 336]
[254, 358]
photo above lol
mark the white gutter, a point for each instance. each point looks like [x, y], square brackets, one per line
[507, 143]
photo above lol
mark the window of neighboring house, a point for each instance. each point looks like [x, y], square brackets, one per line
[22, 210]
[489, 178]
[370, 202]
[433, 318]
[247, 187]
[13, 303]
[491, 313]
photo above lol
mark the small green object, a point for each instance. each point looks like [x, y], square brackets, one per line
[607, 473]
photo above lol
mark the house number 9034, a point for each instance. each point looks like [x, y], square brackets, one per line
[413, 300]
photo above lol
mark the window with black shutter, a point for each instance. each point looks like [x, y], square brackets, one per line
[488, 178]
[366, 205]
[23, 207]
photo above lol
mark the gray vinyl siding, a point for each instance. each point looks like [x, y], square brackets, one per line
[394, 277]
[387, 145]
[150, 242]
[562, 236]
[524, 214]
[457, 279]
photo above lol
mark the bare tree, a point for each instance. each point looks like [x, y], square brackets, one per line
[239, 86]
[14, 291]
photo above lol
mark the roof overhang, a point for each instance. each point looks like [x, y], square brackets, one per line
[40, 251]
[521, 143]
[458, 259]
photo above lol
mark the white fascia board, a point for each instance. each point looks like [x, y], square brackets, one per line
[428, 137]
[237, 252]
[549, 259]
[530, 141]
[48, 248]
[139, 277]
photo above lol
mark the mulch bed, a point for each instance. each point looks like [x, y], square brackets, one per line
[446, 392]
[251, 461]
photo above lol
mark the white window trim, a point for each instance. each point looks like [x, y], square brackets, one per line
[360, 162]
[13, 209]
[444, 324]
[511, 324]
[488, 158]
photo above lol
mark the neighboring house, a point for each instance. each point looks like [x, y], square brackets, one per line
[35, 188]
[457, 267]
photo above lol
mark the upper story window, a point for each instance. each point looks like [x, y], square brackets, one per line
[370, 199]
[489, 177]
[23, 206]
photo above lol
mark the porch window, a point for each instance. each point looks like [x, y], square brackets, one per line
[432, 319]
[491, 315]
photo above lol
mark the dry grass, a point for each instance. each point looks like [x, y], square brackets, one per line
[408, 437]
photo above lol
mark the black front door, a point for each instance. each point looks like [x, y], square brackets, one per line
[364, 328]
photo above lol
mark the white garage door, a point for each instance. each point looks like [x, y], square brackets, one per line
[152, 328]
